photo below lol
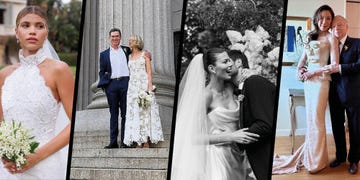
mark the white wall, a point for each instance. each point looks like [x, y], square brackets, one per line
[289, 81]
[303, 8]
[352, 15]
[307, 8]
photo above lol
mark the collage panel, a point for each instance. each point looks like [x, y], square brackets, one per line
[227, 96]
[203, 89]
[317, 123]
[39, 43]
[144, 35]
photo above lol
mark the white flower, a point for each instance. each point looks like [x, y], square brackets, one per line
[262, 33]
[274, 54]
[254, 44]
[154, 88]
[144, 99]
[238, 46]
[234, 36]
[15, 142]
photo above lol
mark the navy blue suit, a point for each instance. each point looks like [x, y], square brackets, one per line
[116, 92]
[344, 96]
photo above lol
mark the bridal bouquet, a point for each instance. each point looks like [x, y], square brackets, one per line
[263, 57]
[144, 99]
[15, 142]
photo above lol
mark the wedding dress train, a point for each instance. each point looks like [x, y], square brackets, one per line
[193, 157]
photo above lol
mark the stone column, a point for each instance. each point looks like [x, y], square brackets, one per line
[89, 55]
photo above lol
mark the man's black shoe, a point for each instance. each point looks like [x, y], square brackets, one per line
[111, 146]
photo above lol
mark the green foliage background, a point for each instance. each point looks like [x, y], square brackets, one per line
[64, 26]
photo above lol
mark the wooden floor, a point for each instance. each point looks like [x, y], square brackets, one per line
[283, 147]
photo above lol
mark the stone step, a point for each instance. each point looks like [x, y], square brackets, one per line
[122, 152]
[120, 163]
[123, 174]
[102, 144]
[100, 139]
[129, 158]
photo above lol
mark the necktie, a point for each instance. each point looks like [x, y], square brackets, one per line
[340, 47]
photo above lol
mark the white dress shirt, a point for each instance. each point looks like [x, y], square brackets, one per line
[119, 67]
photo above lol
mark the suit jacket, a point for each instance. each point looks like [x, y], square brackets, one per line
[258, 116]
[105, 66]
[348, 81]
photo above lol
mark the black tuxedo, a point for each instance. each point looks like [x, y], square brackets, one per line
[116, 92]
[258, 116]
[344, 96]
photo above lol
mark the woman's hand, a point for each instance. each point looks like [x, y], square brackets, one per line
[150, 87]
[331, 68]
[301, 73]
[9, 165]
[31, 159]
[243, 137]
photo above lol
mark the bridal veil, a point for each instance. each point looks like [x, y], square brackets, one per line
[190, 138]
[62, 119]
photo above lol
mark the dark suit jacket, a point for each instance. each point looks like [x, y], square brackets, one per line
[348, 82]
[105, 66]
[258, 114]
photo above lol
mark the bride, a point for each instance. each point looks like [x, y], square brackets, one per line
[38, 92]
[207, 123]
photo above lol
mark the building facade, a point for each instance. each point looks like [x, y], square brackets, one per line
[8, 12]
[157, 21]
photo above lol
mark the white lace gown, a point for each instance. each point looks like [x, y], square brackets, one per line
[313, 154]
[141, 123]
[27, 99]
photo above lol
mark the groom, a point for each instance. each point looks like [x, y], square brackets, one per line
[344, 96]
[258, 115]
[114, 79]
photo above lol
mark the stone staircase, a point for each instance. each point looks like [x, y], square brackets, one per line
[91, 161]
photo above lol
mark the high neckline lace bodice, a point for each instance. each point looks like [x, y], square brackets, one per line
[26, 98]
[34, 59]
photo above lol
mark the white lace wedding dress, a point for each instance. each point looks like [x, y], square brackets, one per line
[141, 123]
[27, 99]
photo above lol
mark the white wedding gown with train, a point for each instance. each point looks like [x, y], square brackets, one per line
[313, 154]
[27, 99]
[194, 158]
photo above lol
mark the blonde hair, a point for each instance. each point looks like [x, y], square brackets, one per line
[139, 43]
[31, 10]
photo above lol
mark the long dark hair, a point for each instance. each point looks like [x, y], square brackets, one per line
[313, 35]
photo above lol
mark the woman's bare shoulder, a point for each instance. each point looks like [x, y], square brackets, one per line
[7, 70]
[56, 66]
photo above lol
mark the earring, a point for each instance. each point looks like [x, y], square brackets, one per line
[17, 40]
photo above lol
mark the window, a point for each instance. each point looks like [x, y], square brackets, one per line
[2, 12]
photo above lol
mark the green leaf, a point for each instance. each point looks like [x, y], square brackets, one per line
[33, 146]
